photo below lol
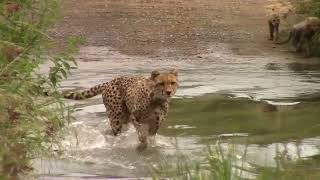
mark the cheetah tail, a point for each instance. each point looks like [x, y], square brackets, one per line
[95, 90]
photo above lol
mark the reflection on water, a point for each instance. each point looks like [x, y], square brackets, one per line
[258, 105]
[218, 71]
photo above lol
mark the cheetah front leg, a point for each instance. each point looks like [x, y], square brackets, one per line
[154, 125]
[276, 31]
[271, 29]
[133, 119]
[143, 133]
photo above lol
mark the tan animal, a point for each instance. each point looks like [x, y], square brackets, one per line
[274, 23]
[142, 101]
[302, 33]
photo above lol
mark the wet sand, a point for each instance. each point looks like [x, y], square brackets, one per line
[170, 28]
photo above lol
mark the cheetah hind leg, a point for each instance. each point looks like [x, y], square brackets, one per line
[118, 121]
[125, 119]
[116, 126]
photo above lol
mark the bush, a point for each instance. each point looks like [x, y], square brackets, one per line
[226, 163]
[219, 164]
[29, 122]
[310, 7]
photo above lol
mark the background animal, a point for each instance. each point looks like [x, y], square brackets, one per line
[301, 35]
[274, 23]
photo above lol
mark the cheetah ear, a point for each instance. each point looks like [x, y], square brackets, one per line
[174, 72]
[154, 74]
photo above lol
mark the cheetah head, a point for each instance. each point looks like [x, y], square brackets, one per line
[311, 24]
[275, 20]
[165, 84]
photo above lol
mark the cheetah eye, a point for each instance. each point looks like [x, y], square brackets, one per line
[173, 83]
[161, 84]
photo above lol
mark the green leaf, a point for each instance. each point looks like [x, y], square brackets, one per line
[64, 73]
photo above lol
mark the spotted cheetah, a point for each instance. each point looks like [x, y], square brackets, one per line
[142, 101]
[274, 23]
[301, 35]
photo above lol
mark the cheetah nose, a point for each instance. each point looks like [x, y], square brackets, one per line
[168, 93]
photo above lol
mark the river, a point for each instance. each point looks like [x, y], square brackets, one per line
[263, 105]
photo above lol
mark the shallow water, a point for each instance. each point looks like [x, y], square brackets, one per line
[222, 96]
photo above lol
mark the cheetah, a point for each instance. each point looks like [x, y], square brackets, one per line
[144, 102]
[302, 33]
[274, 23]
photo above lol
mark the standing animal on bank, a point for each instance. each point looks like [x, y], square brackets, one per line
[302, 33]
[274, 23]
[136, 99]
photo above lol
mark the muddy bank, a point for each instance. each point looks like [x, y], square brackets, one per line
[168, 28]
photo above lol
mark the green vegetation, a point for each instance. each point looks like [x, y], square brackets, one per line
[29, 122]
[223, 163]
[310, 7]
[218, 165]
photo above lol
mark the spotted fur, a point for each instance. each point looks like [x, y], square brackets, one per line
[302, 33]
[86, 94]
[142, 101]
[274, 23]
